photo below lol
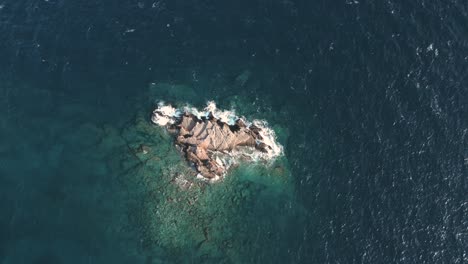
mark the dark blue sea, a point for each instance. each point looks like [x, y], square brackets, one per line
[368, 98]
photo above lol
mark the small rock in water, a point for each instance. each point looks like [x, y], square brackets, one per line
[143, 149]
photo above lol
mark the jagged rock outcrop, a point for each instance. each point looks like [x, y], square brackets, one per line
[200, 138]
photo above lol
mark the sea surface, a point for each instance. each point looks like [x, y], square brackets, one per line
[368, 98]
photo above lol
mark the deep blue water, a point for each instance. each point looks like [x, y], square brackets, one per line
[376, 95]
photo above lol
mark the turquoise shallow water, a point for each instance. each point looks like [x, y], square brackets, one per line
[85, 184]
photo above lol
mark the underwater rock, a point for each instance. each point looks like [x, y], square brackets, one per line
[243, 78]
[210, 143]
[143, 149]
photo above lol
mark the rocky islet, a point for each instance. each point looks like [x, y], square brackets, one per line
[211, 141]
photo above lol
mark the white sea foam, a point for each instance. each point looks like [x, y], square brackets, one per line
[166, 115]
[269, 138]
[226, 116]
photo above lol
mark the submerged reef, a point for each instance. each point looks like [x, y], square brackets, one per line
[164, 213]
[191, 219]
[214, 140]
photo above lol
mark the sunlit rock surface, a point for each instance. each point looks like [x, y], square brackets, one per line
[212, 140]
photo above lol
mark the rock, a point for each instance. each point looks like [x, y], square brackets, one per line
[262, 147]
[240, 123]
[143, 149]
[199, 138]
